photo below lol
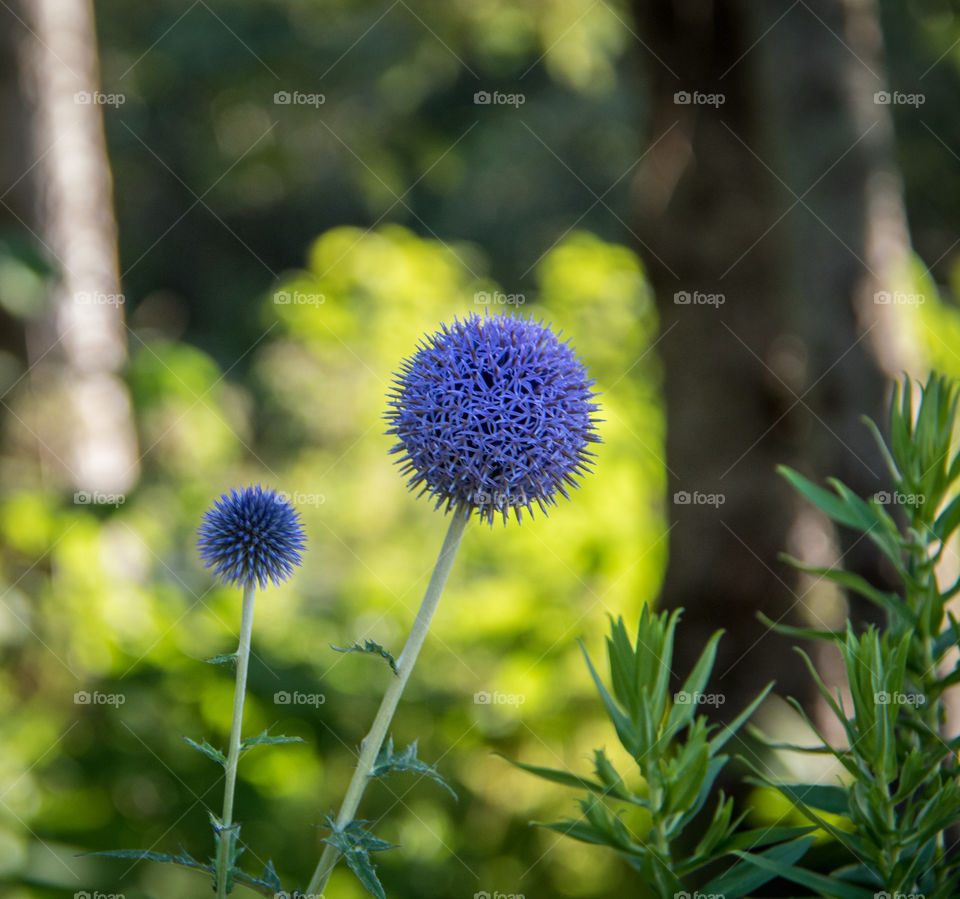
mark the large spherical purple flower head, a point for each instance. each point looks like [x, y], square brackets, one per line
[493, 413]
[251, 535]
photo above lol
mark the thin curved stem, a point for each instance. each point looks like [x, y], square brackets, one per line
[227, 833]
[374, 740]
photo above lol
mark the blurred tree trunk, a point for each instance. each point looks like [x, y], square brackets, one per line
[89, 439]
[16, 194]
[782, 200]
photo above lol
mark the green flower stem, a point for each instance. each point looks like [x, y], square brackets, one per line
[233, 754]
[374, 740]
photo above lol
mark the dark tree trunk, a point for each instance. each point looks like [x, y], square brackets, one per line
[781, 201]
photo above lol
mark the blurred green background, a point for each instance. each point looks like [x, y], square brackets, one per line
[394, 205]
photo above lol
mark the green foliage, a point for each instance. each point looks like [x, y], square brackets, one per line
[891, 811]
[389, 762]
[356, 843]
[116, 600]
[372, 648]
[677, 758]
[902, 790]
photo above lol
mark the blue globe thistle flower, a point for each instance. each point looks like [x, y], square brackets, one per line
[493, 413]
[251, 535]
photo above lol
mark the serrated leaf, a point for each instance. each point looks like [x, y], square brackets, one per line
[208, 751]
[224, 658]
[266, 739]
[268, 880]
[389, 762]
[370, 648]
[355, 843]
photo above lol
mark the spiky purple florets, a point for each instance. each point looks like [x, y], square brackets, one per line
[251, 535]
[493, 413]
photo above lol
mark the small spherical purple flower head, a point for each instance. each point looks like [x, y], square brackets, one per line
[251, 535]
[493, 413]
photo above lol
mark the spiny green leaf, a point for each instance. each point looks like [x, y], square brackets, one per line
[268, 880]
[225, 658]
[267, 885]
[266, 739]
[355, 843]
[371, 648]
[389, 762]
[208, 751]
